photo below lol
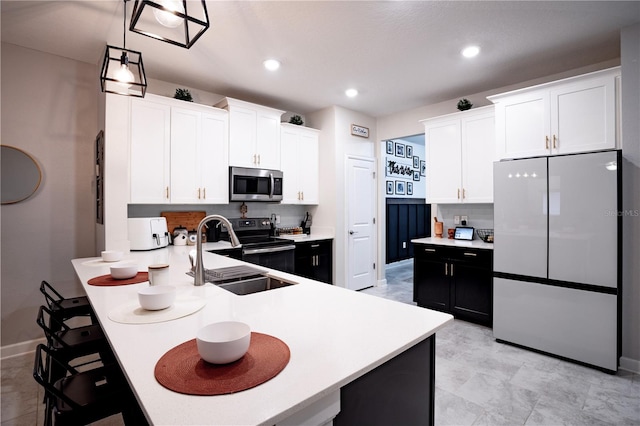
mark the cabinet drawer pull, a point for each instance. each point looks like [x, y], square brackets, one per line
[554, 142]
[546, 142]
[470, 254]
[446, 269]
[452, 269]
[458, 193]
[430, 249]
[315, 245]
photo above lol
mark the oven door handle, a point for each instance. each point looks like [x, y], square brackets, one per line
[268, 249]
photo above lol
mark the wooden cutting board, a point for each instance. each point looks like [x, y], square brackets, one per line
[189, 220]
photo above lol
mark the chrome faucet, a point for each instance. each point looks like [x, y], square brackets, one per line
[198, 278]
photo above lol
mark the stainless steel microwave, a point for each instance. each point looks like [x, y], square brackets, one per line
[255, 184]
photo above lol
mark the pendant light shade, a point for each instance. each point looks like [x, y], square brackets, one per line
[179, 22]
[122, 70]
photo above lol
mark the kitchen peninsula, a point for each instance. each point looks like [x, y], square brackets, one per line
[342, 343]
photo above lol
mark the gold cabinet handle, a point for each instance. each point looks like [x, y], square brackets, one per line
[554, 142]
[546, 142]
[255, 159]
[302, 195]
[258, 159]
[464, 193]
[167, 192]
[458, 193]
[198, 193]
[204, 193]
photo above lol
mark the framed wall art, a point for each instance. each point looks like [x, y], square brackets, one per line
[409, 188]
[400, 187]
[416, 162]
[423, 168]
[389, 187]
[416, 176]
[409, 151]
[390, 147]
[399, 149]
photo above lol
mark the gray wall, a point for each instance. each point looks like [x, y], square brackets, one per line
[630, 52]
[49, 109]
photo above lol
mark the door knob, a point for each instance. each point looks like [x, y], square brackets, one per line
[352, 232]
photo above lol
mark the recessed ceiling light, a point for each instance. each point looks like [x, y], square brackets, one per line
[470, 51]
[351, 93]
[271, 64]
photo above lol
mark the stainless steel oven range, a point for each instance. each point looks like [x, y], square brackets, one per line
[259, 246]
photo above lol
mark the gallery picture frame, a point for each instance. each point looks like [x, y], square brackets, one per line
[390, 187]
[390, 147]
[409, 151]
[416, 162]
[399, 149]
[400, 187]
[423, 168]
[409, 188]
[416, 175]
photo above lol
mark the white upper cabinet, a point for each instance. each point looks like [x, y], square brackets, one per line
[572, 115]
[460, 152]
[199, 166]
[179, 152]
[299, 163]
[150, 150]
[254, 134]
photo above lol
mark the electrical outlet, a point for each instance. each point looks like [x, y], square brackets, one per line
[465, 219]
[456, 220]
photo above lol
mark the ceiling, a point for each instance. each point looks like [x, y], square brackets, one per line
[398, 54]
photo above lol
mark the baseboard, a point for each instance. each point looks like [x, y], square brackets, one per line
[629, 364]
[20, 348]
[381, 282]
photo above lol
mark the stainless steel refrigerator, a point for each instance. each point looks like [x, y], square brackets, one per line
[557, 255]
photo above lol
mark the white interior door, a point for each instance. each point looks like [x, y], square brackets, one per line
[360, 223]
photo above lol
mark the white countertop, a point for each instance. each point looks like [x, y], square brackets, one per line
[479, 244]
[302, 238]
[335, 335]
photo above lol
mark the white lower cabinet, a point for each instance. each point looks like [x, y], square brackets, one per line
[573, 115]
[178, 153]
[299, 164]
[460, 150]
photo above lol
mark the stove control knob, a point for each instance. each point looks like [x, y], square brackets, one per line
[265, 223]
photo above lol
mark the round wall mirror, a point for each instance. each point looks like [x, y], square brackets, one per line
[20, 174]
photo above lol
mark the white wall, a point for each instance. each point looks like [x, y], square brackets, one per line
[336, 143]
[630, 51]
[49, 110]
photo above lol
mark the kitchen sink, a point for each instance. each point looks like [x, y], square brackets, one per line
[255, 285]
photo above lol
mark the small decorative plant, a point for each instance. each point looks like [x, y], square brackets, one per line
[464, 104]
[296, 119]
[183, 94]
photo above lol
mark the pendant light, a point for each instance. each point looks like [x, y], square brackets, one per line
[178, 22]
[122, 69]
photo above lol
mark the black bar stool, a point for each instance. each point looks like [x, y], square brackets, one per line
[83, 397]
[65, 308]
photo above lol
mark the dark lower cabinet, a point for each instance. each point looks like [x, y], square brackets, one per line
[314, 260]
[455, 280]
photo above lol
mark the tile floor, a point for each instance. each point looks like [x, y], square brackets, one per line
[478, 381]
[482, 382]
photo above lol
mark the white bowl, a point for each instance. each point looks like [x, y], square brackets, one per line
[124, 270]
[157, 297]
[223, 342]
[111, 255]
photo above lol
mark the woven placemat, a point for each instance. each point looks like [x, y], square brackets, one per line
[108, 280]
[182, 370]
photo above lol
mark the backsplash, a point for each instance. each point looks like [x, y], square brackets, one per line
[480, 216]
[289, 215]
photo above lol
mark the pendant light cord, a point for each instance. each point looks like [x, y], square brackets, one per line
[124, 25]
